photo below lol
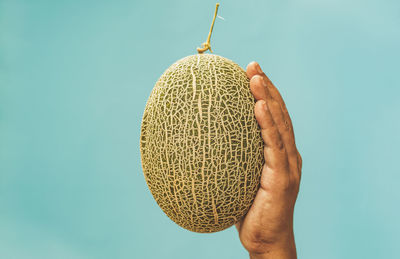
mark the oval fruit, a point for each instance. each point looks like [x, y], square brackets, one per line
[201, 148]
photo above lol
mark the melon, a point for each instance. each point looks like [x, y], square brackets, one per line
[201, 147]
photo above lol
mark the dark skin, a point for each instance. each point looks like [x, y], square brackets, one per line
[267, 229]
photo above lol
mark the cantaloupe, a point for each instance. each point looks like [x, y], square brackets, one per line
[201, 147]
[202, 152]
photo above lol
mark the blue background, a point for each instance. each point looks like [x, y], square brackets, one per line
[74, 80]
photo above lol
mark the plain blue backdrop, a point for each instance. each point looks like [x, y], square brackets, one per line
[74, 80]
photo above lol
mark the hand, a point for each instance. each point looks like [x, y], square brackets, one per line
[267, 229]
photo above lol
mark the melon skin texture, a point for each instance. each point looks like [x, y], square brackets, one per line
[201, 147]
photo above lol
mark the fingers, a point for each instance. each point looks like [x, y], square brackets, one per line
[260, 92]
[274, 151]
[274, 121]
[283, 128]
[254, 69]
[258, 88]
[277, 96]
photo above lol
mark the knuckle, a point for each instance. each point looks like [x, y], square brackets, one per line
[278, 144]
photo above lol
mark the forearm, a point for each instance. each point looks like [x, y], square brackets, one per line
[285, 250]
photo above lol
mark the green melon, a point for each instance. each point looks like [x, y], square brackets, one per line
[201, 148]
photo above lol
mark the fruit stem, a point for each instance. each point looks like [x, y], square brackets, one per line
[206, 45]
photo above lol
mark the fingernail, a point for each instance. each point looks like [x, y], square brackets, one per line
[259, 69]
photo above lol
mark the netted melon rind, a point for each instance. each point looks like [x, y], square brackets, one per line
[201, 147]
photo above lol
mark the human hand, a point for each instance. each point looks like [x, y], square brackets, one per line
[267, 229]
